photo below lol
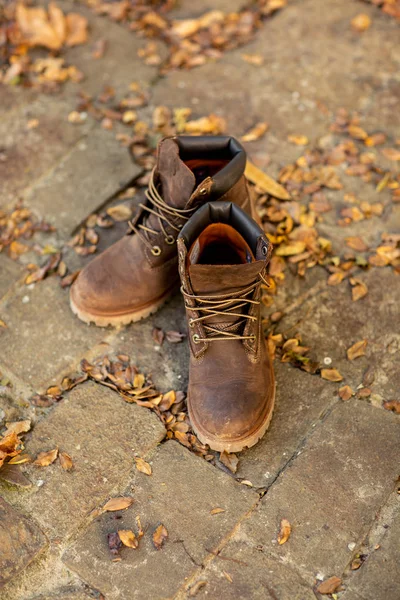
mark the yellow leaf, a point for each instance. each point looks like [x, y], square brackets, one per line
[357, 349]
[217, 511]
[19, 459]
[46, 458]
[299, 140]
[143, 466]
[331, 375]
[335, 278]
[254, 59]
[121, 212]
[128, 538]
[361, 22]
[284, 532]
[359, 291]
[118, 504]
[212, 124]
[264, 182]
[255, 133]
[291, 249]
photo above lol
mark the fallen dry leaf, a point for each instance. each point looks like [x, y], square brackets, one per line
[331, 375]
[359, 290]
[143, 466]
[254, 59]
[159, 536]
[335, 278]
[230, 461]
[356, 243]
[18, 427]
[299, 140]
[291, 249]
[45, 459]
[361, 22]
[120, 212]
[76, 29]
[174, 337]
[357, 349]
[128, 538]
[284, 532]
[217, 511]
[255, 133]
[393, 405]
[196, 588]
[345, 392]
[264, 182]
[329, 586]
[118, 504]
[66, 461]
[391, 153]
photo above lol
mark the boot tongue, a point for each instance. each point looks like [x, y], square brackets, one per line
[177, 180]
[223, 279]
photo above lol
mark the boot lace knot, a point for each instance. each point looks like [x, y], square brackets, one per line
[233, 305]
[165, 214]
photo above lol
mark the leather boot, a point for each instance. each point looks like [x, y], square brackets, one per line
[223, 255]
[137, 274]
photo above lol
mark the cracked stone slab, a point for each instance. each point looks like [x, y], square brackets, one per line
[96, 169]
[28, 154]
[331, 492]
[120, 64]
[378, 578]
[169, 363]
[20, 542]
[298, 82]
[101, 433]
[43, 338]
[180, 494]
[244, 572]
[330, 323]
[300, 400]
[10, 272]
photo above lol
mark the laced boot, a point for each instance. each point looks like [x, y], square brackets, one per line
[137, 274]
[223, 255]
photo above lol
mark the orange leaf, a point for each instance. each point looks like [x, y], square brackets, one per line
[284, 532]
[117, 504]
[331, 375]
[357, 349]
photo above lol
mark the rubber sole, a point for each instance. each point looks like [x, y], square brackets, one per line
[119, 320]
[238, 444]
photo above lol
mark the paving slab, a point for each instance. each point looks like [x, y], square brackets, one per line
[301, 399]
[96, 169]
[101, 433]
[29, 153]
[10, 272]
[378, 578]
[330, 323]
[180, 494]
[184, 9]
[169, 363]
[331, 492]
[120, 64]
[298, 79]
[20, 542]
[43, 338]
[244, 572]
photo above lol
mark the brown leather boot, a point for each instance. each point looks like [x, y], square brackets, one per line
[223, 255]
[137, 274]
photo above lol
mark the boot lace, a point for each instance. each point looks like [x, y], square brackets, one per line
[164, 214]
[227, 304]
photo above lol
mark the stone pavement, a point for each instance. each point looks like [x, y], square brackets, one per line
[329, 466]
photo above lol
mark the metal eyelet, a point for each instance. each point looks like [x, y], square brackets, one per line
[156, 250]
[264, 250]
[170, 240]
[203, 191]
[195, 338]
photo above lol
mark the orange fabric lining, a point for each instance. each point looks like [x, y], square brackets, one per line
[213, 166]
[221, 234]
